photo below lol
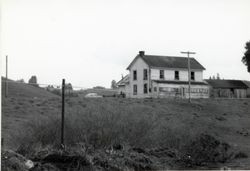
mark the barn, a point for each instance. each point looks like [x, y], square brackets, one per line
[227, 88]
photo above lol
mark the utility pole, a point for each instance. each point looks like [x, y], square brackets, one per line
[6, 81]
[189, 74]
[62, 121]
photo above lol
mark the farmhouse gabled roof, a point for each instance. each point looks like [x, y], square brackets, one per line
[227, 84]
[168, 62]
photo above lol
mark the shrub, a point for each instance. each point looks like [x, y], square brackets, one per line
[204, 150]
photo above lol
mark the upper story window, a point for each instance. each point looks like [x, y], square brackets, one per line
[192, 75]
[135, 89]
[145, 88]
[161, 74]
[176, 75]
[134, 75]
[145, 74]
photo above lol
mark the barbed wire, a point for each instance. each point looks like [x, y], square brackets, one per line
[19, 82]
[56, 86]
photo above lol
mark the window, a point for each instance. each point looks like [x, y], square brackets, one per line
[176, 75]
[145, 88]
[145, 74]
[161, 74]
[135, 89]
[192, 75]
[155, 89]
[135, 75]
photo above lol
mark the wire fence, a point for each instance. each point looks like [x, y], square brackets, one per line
[56, 86]
[62, 91]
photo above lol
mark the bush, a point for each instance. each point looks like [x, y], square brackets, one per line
[204, 150]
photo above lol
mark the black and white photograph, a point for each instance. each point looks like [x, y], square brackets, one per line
[125, 85]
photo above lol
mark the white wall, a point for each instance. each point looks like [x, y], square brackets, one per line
[185, 93]
[198, 76]
[139, 65]
[125, 89]
[169, 74]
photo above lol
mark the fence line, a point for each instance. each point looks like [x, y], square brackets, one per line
[56, 86]
[61, 87]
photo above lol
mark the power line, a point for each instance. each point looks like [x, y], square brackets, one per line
[18, 82]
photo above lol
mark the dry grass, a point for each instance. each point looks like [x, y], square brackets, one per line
[105, 122]
[33, 124]
[137, 122]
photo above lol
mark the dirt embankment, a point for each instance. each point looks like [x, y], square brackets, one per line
[202, 153]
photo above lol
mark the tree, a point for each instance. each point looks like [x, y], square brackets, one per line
[33, 81]
[113, 84]
[98, 87]
[68, 87]
[20, 81]
[218, 76]
[246, 57]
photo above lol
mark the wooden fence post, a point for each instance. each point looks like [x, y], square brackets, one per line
[62, 121]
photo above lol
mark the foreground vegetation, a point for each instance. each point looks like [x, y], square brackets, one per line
[132, 134]
[159, 133]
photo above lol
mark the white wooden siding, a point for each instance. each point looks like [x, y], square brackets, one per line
[203, 94]
[169, 74]
[139, 65]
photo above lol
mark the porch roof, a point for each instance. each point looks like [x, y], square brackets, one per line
[180, 82]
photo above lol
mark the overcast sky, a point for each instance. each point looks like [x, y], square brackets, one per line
[90, 42]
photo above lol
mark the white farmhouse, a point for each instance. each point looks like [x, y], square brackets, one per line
[164, 76]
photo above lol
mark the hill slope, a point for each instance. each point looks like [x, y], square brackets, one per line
[16, 89]
[139, 122]
[23, 103]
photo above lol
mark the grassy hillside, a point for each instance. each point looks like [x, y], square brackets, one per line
[16, 89]
[33, 124]
[24, 103]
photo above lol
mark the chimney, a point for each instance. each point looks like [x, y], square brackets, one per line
[141, 53]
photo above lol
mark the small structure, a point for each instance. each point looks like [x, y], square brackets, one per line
[164, 77]
[248, 89]
[227, 88]
[92, 95]
[123, 86]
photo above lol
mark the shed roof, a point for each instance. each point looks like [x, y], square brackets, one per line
[123, 81]
[227, 84]
[247, 83]
[168, 62]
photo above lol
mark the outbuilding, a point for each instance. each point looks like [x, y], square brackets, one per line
[227, 88]
[248, 88]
